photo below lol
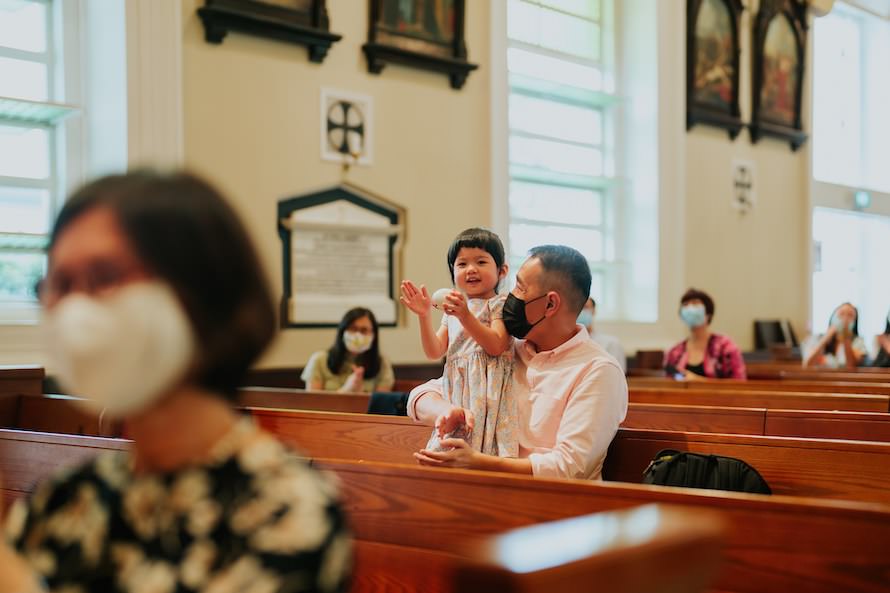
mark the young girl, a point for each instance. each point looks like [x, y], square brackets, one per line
[479, 365]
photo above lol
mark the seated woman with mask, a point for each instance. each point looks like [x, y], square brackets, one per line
[840, 346]
[353, 362]
[155, 308]
[703, 354]
[882, 355]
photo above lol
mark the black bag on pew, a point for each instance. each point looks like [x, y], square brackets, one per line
[388, 403]
[693, 470]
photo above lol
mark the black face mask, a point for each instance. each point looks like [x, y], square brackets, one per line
[514, 316]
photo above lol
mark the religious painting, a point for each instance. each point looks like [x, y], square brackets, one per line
[426, 34]
[302, 22]
[712, 74]
[779, 43]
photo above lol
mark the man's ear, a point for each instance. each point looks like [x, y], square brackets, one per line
[554, 303]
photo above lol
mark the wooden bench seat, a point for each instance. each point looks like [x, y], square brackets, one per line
[849, 470]
[776, 544]
[874, 387]
[678, 393]
[611, 549]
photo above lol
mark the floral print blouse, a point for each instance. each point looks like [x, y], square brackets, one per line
[255, 519]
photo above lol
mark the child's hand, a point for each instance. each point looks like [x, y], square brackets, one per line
[453, 420]
[455, 304]
[416, 299]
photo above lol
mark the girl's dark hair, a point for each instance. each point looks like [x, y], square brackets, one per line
[481, 239]
[337, 353]
[831, 346]
[186, 234]
[694, 294]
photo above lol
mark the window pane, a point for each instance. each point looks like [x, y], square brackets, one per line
[19, 272]
[587, 8]
[556, 120]
[525, 236]
[23, 25]
[22, 79]
[24, 210]
[520, 61]
[24, 152]
[562, 158]
[837, 99]
[553, 30]
[547, 203]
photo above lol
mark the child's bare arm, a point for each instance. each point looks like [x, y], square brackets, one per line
[435, 343]
[494, 340]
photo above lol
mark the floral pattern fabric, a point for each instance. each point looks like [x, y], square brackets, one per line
[482, 383]
[256, 519]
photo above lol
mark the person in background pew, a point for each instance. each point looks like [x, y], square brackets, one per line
[840, 346]
[570, 394]
[703, 354]
[609, 343]
[155, 308]
[353, 363]
[882, 355]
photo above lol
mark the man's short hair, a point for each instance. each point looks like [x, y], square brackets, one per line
[566, 269]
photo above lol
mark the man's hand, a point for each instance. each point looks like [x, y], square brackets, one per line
[460, 455]
[454, 419]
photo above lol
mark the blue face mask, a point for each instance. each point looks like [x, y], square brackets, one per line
[585, 317]
[693, 315]
[839, 324]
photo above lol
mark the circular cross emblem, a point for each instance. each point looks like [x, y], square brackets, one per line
[346, 128]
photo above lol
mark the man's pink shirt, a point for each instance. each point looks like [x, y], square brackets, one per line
[570, 400]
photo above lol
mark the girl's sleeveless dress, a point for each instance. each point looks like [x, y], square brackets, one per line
[482, 383]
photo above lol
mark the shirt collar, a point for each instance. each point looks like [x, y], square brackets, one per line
[580, 338]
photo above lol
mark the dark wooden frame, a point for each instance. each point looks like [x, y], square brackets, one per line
[287, 206]
[310, 28]
[796, 13]
[455, 65]
[704, 113]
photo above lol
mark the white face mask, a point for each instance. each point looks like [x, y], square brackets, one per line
[357, 343]
[120, 351]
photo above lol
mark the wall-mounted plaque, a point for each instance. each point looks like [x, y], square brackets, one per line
[341, 249]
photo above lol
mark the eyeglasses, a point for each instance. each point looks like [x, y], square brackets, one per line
[97, 278]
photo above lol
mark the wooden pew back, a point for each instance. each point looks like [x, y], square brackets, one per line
[874, 387]
[847, 470]
[788, 400]
[776, 544]
[612, 547]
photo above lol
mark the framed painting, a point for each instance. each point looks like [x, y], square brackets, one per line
[780, 36]
[303, 22]
[712, 64]
[426, 34]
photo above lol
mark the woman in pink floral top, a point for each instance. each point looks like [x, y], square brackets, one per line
[703, 353]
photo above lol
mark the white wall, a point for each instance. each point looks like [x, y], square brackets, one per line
[250, 112]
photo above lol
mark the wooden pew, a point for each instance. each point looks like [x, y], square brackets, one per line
[834, 387]
[274, 397]
[28, 457]
[776, 544]
[814, 424]
[843, 470]
[607, 547]
[820, 468]
[753, 398]
[21, 379]
[560, 556]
